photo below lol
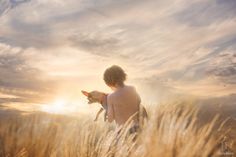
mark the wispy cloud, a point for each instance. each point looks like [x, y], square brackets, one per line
[204, 13]
[7, 5]
[20, 80]
[189, 46]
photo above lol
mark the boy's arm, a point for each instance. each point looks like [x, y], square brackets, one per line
[107, 105]
[104, 101]
[110, 110]
[142, 111]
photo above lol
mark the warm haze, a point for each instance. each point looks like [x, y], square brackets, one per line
[180, 57]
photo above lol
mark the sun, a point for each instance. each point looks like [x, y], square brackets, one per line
[58, 107]
[67, 106]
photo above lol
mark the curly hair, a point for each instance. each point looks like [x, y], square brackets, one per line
[114, 75]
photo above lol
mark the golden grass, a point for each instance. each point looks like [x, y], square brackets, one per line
[171, 131]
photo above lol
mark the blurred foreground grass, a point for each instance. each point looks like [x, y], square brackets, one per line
[173, 130]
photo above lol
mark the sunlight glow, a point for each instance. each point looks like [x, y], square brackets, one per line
[67, 106]
[58, 107]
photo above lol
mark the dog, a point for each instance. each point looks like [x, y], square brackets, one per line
[97, 97]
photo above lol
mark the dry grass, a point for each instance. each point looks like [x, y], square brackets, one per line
[171, 131]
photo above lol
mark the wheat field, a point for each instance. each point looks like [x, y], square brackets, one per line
[172, 130]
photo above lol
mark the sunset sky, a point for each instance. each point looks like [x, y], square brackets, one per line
[52, 49]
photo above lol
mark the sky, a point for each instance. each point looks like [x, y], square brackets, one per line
[52, 49]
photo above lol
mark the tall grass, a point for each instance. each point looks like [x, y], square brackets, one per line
[172, 131]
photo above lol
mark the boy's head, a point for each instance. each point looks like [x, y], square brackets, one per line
[114, 76]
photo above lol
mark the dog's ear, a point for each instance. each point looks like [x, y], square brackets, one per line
[85, 93]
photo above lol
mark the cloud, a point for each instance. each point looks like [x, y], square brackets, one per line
[181, 41]
[96, 44]
[224, 67]
[6, 5]
[202, 13]
[49, 23]
[18, 78]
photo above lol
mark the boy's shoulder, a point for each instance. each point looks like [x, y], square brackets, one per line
[127, 87]
[131, 87]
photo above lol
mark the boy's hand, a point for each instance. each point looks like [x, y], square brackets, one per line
[89, 97]
[94, 96]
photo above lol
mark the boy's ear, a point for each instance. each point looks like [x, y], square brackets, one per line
[85, 93]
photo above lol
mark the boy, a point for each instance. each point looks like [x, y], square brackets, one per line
[124, 102]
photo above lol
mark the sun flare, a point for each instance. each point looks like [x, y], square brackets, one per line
[66, 106]
[58, 107]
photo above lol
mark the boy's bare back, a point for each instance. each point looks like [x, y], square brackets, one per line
[123, 104]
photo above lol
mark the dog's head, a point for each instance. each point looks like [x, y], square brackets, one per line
[94, 96]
